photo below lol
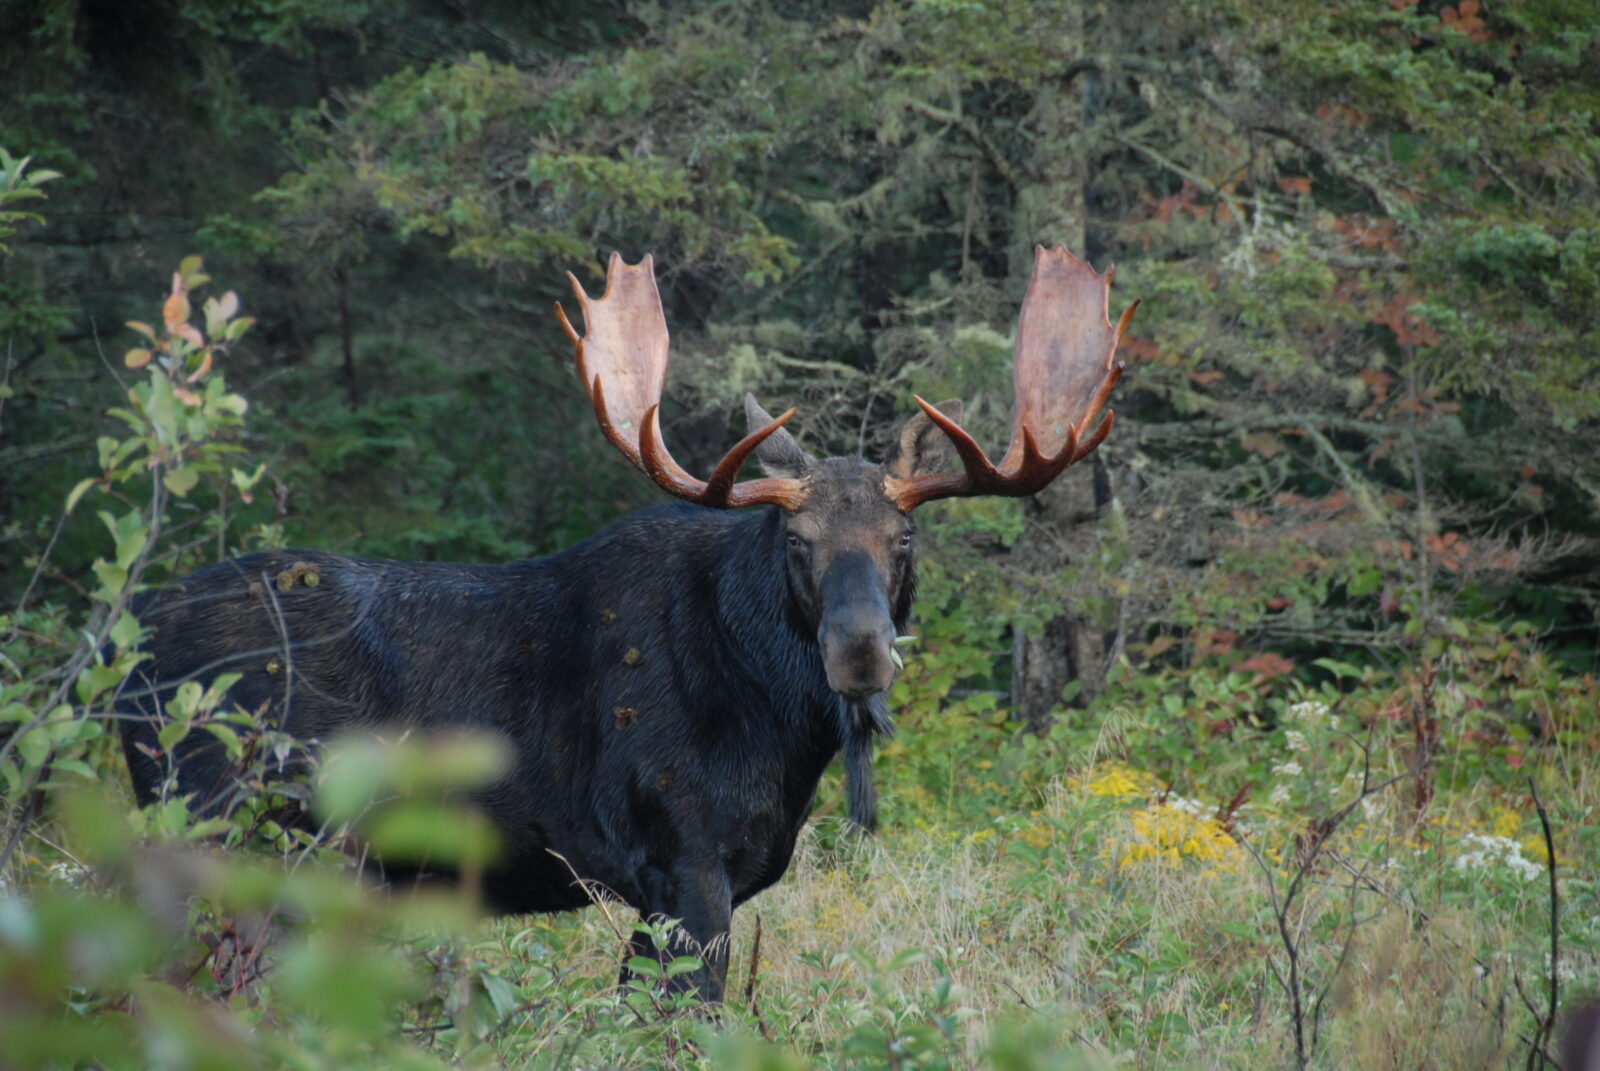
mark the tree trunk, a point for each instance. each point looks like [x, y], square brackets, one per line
[1062, 526]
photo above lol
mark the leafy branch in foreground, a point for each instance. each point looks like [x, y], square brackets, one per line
[180, 420]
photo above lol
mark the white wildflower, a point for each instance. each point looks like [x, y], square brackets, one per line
[1189, 806]
[1310, 712]
[1288, 769]
[1295, 740]
[1372, 807]
[1279, 796]
[69, 873]
[1485, 851]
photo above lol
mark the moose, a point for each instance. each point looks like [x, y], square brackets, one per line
[671, 689]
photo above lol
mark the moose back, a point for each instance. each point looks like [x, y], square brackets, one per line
[670, 689]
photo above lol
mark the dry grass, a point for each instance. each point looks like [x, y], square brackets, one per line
[1408, 959]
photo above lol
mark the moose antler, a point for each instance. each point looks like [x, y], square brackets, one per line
[1064, 369]
[622, 358]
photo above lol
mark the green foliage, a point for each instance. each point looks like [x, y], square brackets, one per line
[1353, 473]
[16, 187]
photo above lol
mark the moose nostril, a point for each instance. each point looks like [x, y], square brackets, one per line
[859, 662]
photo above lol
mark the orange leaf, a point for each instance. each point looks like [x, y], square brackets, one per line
[1377, 381]
[1300, 184]
[176, 310]
[1267, 664]
[137, 358]
[188, 332]
[1467, 8]
[186, 396]
[227, 305]
[1264, 443]
[1140, 350]
[1205, 379]
[1159, 646]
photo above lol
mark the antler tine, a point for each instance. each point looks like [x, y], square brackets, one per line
[1064, 370]
[622, 360]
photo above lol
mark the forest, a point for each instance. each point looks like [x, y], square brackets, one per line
[1266, 737]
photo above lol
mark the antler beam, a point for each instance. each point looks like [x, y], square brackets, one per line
[622, 359]
[1064, 368]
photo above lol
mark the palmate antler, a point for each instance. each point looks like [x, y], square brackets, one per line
[1064, 369]
[622, 357]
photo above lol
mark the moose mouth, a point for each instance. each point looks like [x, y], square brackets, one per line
[859, 661]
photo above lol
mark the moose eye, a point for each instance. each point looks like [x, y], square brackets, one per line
[794, 540]
[905, 540]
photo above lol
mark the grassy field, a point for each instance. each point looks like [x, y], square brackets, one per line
[1115, 926]
[1030, 904]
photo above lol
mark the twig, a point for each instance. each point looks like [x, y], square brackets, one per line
[1547, 1022]
[974, 133]
[750, 982]
[1234, 202]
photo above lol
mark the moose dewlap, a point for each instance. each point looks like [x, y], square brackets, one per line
[670, 689]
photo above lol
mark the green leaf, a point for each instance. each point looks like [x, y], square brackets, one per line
[171, 734]
[125, 633]
[644, 968]
[502, 997]
[76, 767]
[34, 747]
[230, 739]
[210, 827]
[96, 679]
[79, 490]
[683, 965]
[180, 481]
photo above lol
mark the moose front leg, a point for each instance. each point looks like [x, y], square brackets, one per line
[700, 899]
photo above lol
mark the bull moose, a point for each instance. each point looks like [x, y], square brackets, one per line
[670, 689]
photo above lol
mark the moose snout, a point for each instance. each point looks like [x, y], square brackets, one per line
[858, 656]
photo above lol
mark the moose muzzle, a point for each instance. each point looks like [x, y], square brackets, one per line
[856, 633]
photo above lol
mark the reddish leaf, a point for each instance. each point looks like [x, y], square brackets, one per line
[1334, 502]
[1139, 350]
[1296, 184]
[1266, 665]
[176, 310]
[1264, 443]
[1377, 381]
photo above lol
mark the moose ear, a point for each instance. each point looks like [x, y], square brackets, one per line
[779, 454]
[923, 449]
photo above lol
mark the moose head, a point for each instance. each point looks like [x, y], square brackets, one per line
[847, 531]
